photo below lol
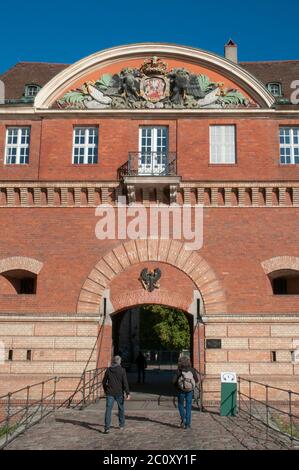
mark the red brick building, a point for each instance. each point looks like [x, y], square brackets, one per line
[155, 123]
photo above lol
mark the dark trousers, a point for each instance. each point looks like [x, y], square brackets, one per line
[121, 410]
[141, 371]
[185, 406]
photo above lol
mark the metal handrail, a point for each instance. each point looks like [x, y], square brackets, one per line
[83, 375]
[32, 410]
[21, 413]
[91, 386]
[145, 164]
[199, 400]
[31, 386]
[247, 401]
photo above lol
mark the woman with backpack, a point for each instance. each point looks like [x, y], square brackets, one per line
[185, 380]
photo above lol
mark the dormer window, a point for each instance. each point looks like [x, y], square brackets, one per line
[31, 90]
[275, 88]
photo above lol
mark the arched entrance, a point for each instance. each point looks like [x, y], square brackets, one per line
[160, 332]
[176, 290]
[109, 327]
[187, 283]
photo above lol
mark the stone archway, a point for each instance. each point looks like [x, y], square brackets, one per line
[133, 252]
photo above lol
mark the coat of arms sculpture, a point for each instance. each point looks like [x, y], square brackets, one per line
[149, 279]
[153, 86]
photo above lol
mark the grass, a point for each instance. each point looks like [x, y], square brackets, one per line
[7, 430]
[285, 427]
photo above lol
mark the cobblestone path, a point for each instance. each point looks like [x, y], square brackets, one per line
[148, 427]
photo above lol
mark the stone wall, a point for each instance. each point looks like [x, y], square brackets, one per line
[59, 347]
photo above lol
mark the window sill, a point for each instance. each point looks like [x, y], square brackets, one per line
[223, 164]
[17, 295]
[74, 165]
[286, 165]
[8, 165]
[285, 295]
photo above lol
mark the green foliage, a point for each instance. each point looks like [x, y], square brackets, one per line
[233, 97]
[104, 81]
[73, 98]
[205, 83]
[163, 326]
[149, 339]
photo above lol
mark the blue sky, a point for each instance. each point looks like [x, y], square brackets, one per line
[65, 31]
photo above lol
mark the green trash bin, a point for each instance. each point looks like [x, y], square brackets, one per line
[228, 405]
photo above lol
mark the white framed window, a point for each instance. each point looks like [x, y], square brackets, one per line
[17, 145]
[222, 144]
[153, 150]
[85, 145]
[274, 88]
[31, 90]
[289, 145]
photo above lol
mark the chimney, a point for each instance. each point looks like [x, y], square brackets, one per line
[231, 51]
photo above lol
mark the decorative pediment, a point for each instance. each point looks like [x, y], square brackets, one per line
[153, 86]
[153, 76]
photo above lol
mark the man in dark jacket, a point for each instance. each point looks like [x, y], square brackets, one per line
[141, 366]
[115, 384]
[185, 380]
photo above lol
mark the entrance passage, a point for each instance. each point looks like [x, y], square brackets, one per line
[161, 334]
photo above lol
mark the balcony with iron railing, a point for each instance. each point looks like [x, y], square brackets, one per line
[150, 171]
[149, 165]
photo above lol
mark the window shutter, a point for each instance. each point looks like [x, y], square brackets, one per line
[222, 144]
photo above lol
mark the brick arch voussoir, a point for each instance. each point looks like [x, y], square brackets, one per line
[280, 262]
[20, 262]
[132, 252]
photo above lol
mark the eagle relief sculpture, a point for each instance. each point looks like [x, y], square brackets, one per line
[149, 279]
[153, 86]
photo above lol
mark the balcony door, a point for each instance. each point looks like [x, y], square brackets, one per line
[153, 150]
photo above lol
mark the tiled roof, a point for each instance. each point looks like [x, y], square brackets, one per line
[284, 71]
[40, 73]
[25, 73]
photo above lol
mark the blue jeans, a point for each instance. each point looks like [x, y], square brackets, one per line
[185, 412]
[121, 410]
